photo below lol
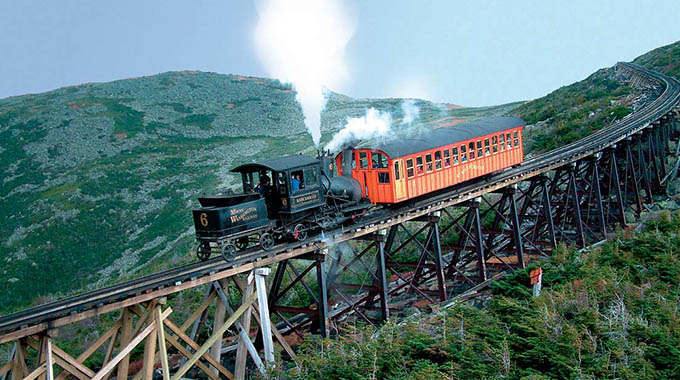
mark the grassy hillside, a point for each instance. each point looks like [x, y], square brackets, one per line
[576, 110]
[606, 314]
[98, 180]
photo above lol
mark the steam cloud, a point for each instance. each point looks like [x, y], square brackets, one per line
[303, 42]
[374, 124]
[410, 110]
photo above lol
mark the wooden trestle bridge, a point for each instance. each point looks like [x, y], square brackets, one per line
[434, 249]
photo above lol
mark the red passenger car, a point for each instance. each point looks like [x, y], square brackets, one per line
[407, 168]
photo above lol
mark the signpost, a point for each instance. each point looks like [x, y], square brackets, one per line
[536, 280]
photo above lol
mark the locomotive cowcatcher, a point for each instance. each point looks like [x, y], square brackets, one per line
[283, 199]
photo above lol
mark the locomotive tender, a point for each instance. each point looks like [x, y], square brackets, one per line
[289, 197]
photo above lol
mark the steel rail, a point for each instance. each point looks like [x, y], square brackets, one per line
[589, 145]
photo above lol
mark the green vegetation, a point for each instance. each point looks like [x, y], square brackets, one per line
[574, 111]
[606, 314]
[665, 59]
[197, 120]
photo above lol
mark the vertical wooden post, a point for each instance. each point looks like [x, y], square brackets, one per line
[220, 315]
[48, 358]
[162, 350]
[125, 337]
[150, 353]
[265, 319]
[242, 350]
[19, 367]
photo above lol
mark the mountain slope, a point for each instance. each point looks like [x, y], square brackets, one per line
[98, 180]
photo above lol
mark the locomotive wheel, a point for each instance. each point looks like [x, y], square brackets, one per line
[267, 241]
[242, 242]
[203, 252]
[300, 232]
[228, 252]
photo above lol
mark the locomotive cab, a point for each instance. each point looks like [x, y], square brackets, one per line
[294, 184]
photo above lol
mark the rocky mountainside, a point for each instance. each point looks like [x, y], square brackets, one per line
[98, 180]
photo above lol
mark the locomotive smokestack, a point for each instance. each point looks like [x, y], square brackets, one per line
[347, 162]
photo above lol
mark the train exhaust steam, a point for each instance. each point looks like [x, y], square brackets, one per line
[303, 42]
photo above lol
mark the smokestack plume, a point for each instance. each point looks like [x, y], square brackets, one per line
[374, 124]
[303, 42]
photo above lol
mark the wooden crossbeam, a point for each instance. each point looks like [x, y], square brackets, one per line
[5, 368]
[275, 331]
[93, 347]
[197, 313]
[182, 335]
[175, 343]
[216, 335]
[126, 350]
[36, 372]
[66, 361]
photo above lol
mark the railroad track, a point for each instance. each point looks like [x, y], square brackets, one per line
[87, 304]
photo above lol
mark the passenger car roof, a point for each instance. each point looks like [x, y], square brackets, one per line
[278, 164]
[435, 138]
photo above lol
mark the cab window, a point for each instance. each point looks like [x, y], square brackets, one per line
[409, 168]
[428, 161]
[447, 157]
[463, 153]
[378, 161]
[419, 165]
[310, 177]
[297, 180]
[487, 148]
[383, 177]
[363, 160]
[471, 147]
[282, 182]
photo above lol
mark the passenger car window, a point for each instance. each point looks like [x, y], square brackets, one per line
[515, 135]
[455, 155]
[463, 154]
[501, 140]
[378, 160]
[471, 147]
[363, 160]
[507, 138]
[396, 171]
[409, 168]
[447, 157]
[479, 148]
[428, 161]
[438, 160]
[487, 149]
[419, 165]
[494, 144]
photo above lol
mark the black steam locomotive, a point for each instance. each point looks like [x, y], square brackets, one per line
[285, 198]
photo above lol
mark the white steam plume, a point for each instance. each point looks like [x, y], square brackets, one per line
[374, 124]
[303, 42]
[410, 110]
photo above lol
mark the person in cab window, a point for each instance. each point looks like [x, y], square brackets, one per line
[262, 185]
[295, 182]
